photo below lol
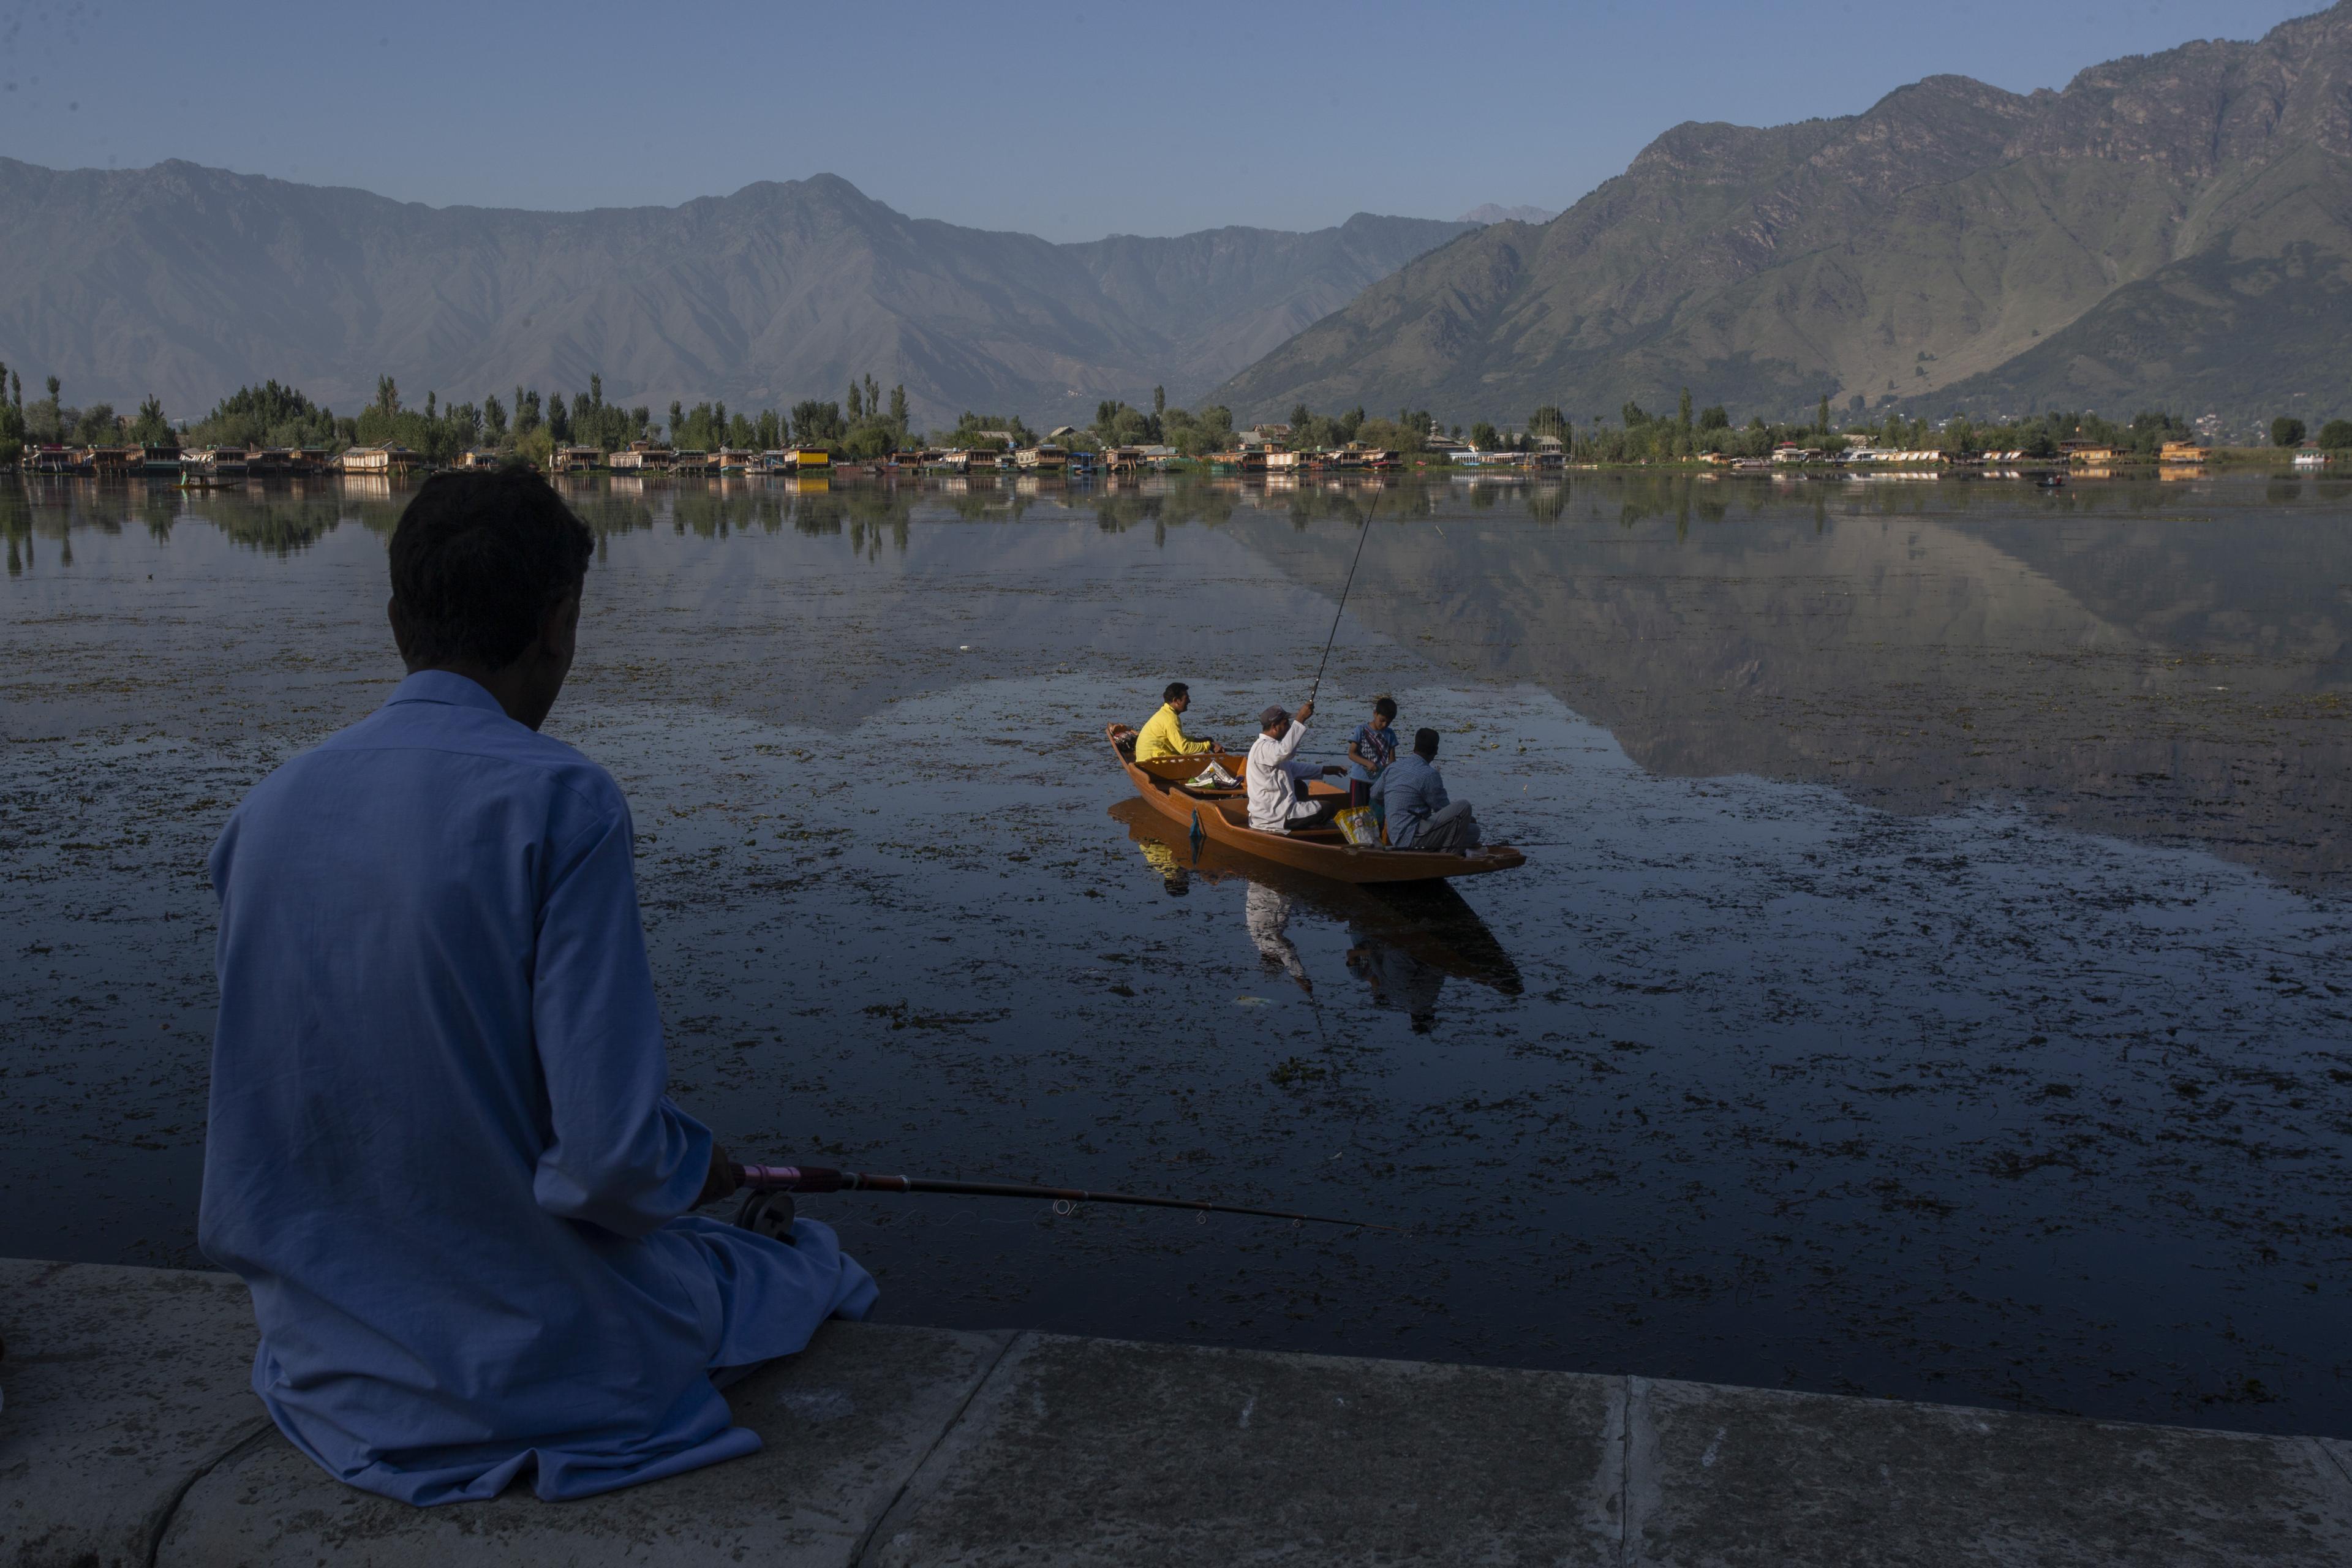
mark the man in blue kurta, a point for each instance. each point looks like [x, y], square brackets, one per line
[441, 1153]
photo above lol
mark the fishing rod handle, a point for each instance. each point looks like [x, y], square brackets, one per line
[788, 1178]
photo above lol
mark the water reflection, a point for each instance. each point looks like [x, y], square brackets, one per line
[1404, 942]
[2157, 657]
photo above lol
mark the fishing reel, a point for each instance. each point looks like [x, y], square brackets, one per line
[767, 1214]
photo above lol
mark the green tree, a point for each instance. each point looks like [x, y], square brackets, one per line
[1159, 401]
[898, 415]
[1683, 414]
[151, 429]
[1821, 416]
[1485, 436]
[1713, 417]
[2336, 435]
[494, 420]
[2286, 431]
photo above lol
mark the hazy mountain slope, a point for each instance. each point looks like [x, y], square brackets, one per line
[1492, 212]
[188, 281]
[1910, 251]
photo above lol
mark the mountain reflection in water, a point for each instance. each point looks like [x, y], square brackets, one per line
[1405, 941]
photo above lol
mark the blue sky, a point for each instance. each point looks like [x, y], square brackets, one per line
[1070, 120]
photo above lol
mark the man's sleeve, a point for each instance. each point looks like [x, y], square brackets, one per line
[623, 1156]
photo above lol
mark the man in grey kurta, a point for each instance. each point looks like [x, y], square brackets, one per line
[1418, 813]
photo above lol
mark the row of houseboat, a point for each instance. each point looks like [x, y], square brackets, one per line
[228, 464]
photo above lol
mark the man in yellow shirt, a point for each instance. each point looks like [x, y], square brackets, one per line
[1163, 734]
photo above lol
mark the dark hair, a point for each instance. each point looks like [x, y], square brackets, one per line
[479, 560]
[1385, 707]
[1425, 742]
[1176, 688]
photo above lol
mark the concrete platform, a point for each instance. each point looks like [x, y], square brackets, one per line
[129, 1439]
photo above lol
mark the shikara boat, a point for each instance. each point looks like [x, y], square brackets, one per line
[1222, 816]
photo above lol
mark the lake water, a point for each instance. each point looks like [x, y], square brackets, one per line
[1928, 977]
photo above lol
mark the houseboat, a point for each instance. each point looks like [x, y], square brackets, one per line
[643, 457]
[160, 460]
[690, 463]
[378, 462]
[1046, 458]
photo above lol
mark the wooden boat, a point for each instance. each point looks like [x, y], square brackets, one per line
[1222, 816]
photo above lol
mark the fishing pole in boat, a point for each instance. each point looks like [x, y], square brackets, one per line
[768, 1209]
[1342, 608]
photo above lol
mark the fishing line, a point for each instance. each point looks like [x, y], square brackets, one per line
[1342, 608]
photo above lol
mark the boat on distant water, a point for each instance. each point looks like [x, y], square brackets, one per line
[1222, 816]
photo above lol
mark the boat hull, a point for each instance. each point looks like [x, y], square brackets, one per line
[1225, 822]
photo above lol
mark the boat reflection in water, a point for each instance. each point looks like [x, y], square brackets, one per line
[1406, 939]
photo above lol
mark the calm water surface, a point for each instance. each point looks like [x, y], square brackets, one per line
[1929, 978]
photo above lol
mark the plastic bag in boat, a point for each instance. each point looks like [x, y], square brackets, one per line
[1357, 825]
[1214, 776]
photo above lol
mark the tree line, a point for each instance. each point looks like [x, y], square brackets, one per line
[869, 422]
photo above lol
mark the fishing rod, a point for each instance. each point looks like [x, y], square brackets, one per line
[1342, 608]
[820, 1179]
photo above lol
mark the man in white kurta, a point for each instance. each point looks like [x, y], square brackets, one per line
[1278, 779]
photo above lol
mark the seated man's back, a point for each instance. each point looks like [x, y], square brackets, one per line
[440, 1152]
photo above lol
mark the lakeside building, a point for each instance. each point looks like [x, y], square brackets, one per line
[480, 457]
[575, 459]
[2181, 452]
[643, 457]
[2311, 459]
[1045, 459]
[2090, 452]
[380, 462]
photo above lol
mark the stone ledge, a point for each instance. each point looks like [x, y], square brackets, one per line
[130, 1438]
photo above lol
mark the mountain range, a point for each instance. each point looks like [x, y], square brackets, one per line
[188, 282]
[2170, 230]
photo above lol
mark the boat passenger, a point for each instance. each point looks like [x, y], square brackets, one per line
[1412, 794]
[1278, 802]
[1163, 734]
[441, 1153]
[1372, 749]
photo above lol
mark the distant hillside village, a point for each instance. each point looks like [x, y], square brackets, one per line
[273, 429]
